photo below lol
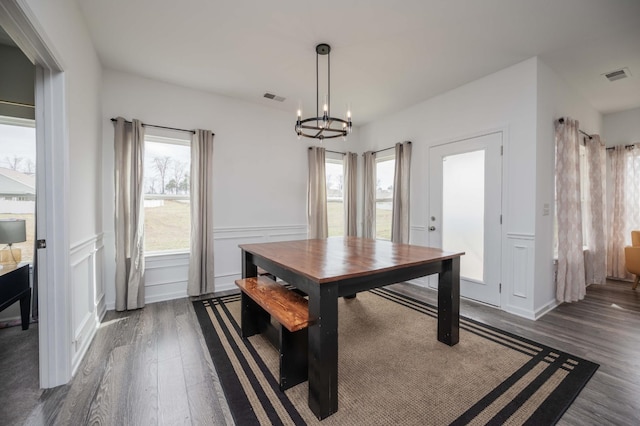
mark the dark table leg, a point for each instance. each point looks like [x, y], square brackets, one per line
[449, 302]
[25, 305]
[323, 350]
[249, 269]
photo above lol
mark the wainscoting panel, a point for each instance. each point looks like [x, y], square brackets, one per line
[227, 253]
[87, 294]
[518, 279]
[166, 275]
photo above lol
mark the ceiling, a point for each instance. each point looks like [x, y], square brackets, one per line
[385, 55]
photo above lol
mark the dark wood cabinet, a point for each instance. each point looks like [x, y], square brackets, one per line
[14, 286]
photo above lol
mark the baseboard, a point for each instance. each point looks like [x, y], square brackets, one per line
[539, 313]
[524, 313]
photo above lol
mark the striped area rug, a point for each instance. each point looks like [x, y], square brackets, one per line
[392, 369]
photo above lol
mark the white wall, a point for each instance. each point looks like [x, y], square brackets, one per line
[260, 173]
[66, 36]
[505, 100]
[622, 128]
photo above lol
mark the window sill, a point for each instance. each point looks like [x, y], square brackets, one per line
[166, 254]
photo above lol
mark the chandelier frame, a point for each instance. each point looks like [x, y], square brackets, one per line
[323, 128]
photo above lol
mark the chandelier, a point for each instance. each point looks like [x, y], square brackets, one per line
[326, 126]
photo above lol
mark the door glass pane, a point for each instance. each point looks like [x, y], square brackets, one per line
[463, 210]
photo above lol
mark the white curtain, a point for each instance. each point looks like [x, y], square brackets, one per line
[625, 172]
[369, 171]
[317, 194]
[201, 275]
[570, 279]
[350, 193]
[401, 180]
[129, 214]
[596, 241]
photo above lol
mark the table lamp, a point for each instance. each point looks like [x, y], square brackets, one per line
[11, 231]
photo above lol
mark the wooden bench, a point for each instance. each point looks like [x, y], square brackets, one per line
[263, 299]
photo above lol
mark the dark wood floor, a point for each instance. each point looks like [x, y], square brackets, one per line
[151, 366]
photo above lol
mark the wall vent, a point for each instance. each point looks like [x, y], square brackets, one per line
[617, 74]
[274, 97]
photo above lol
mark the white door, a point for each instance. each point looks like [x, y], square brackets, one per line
[465, 198]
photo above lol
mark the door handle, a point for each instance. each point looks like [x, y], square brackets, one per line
[432, 228]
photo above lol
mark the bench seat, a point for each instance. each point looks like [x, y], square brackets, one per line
[263, 299]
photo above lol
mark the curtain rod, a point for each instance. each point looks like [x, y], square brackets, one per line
[626, 146]
[163, 127]
[561, 120]
[333, 152]
[386, 149]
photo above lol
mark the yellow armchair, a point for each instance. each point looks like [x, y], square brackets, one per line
[632, 257]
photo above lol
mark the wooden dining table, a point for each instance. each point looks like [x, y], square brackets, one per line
[327, 269]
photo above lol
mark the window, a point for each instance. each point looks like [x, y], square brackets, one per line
[385, 169]
[18, 178]
[167, 216]
[334, 171]
[585, 195]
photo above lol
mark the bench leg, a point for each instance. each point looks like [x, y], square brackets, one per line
[253, 319]
[293, 357]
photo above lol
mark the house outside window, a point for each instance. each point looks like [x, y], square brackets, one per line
[385, 168]
[167, 201]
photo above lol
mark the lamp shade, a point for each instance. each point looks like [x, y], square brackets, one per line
[12, 231]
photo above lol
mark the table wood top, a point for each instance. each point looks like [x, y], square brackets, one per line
[337, 258]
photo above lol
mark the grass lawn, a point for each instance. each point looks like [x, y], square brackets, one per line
[167, 227]
[335, 218]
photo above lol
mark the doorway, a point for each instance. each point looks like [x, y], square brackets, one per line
[51, 211]
[465, 211]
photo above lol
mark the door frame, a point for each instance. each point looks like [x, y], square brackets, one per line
[54, 303]
[504, 129]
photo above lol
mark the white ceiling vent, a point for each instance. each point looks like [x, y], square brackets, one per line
[617, 74]
[274, 97]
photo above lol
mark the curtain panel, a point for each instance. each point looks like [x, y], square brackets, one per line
[317, 194]
[401, 181]
[570, 279]
[596, 261]
[625, 172]
[369, 171]
[201, 273]
[350, 193]
[129, 214]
